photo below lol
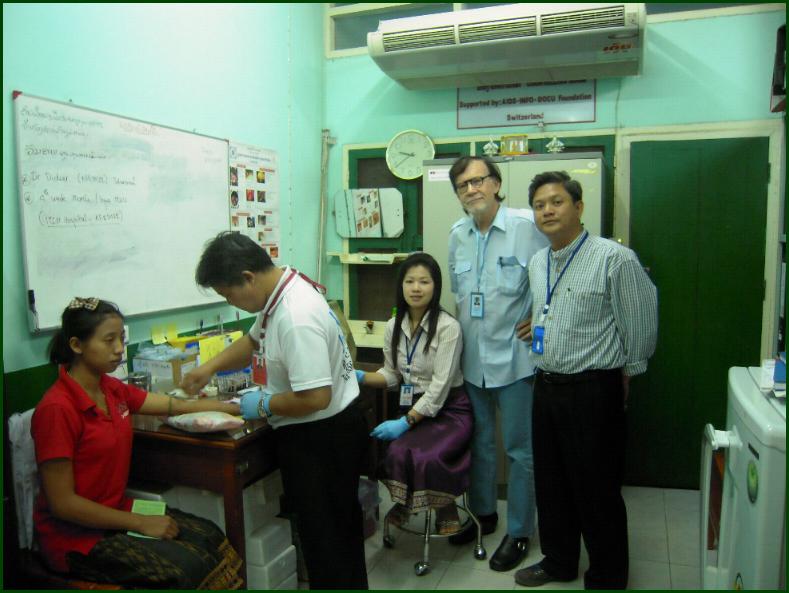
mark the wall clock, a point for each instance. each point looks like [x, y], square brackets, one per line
[406, 151]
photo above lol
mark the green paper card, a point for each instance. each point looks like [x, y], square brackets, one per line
[147, 507]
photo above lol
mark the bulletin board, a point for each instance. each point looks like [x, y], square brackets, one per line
[113, 207]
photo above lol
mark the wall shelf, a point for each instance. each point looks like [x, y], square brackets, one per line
[365, 339]
[361, 258]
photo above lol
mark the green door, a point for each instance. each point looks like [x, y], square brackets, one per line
[697, 222]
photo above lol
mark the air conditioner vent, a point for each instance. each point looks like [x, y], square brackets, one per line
[511, 43]
[420, 38]
[582, 20]
[493, 30]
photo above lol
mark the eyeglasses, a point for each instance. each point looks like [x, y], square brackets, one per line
[475, 182]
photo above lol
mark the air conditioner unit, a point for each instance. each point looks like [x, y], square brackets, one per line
[511, 43]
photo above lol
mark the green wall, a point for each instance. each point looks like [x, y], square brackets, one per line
[703, 70]
[256, 73]
[247, 72]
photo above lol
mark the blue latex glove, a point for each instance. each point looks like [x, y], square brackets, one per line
[250, 402]
[359, 376]
[390, 430]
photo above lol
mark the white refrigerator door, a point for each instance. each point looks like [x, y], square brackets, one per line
[754, 492]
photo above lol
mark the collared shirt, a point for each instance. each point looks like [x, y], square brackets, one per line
[433, 373]
[67, 424]
[495, 264]
[305, 349]
[603, 313]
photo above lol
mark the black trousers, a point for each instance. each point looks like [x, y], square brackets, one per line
[579, 447]
[320, 464]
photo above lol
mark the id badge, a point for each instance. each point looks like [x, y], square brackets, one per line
[259, 376]
[406, 394]
[538, 335]
[477, 304]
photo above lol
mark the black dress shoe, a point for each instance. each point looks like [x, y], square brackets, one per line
[535, 576]
[469, 533]
[510, 553]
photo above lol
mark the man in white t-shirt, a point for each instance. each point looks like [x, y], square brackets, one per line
[304, 367]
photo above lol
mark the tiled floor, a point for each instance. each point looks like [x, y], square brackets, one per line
[664, 550]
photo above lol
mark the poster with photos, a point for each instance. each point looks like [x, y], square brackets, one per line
[367, 213]
[253, 196]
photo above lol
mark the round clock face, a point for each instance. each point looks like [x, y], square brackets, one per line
[406, 151]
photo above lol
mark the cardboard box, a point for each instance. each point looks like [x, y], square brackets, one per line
[165, 374]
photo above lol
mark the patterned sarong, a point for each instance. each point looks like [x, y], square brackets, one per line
[199, 558]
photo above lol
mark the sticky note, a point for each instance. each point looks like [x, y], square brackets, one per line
[157, 334]
[210, 347]
[171, 331]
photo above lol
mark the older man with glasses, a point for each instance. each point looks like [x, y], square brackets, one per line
[489, 253]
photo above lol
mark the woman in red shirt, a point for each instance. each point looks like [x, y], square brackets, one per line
[82, 432]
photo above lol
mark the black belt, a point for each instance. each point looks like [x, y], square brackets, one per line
[584, 376]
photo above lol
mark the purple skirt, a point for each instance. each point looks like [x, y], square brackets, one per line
[429, 465]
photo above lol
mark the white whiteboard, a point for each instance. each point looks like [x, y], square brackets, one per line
[114, 208]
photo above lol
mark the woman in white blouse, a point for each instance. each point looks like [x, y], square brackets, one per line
[428, 458]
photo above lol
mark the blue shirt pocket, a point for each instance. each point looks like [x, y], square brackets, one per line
[511, 275]
[460, 278]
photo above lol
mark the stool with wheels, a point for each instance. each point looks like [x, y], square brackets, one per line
[422, 567]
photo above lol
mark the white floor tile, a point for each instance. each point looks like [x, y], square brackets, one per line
[662, 527]
[685, 577]
[646, 508]
[373, 550]
[649, 575]
[638, 498]
[682, 506]
[648, 543]
[464, 577]
[412, 546]
[396, 573]
[684, 545]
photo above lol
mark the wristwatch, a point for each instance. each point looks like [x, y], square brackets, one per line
[263, 409]
[411, 420]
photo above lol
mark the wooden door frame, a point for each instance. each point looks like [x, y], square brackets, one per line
[773, 129]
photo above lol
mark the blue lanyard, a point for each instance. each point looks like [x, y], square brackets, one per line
[410, 356]
[548, 290]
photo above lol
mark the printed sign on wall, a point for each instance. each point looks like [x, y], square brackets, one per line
[523, 104]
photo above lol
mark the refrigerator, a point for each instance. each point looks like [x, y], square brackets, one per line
[743, 545]
[441, 208]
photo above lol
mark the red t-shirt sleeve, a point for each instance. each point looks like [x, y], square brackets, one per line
[55, 430]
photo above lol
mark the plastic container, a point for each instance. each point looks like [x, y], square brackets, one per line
[231, 382]
[290, 583]
[274, 573]
[258, 509]
[268, 542]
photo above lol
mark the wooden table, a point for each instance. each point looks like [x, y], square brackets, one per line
[217, 462]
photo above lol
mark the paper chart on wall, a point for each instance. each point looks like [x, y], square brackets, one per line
[367, 212]
[254, 196]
